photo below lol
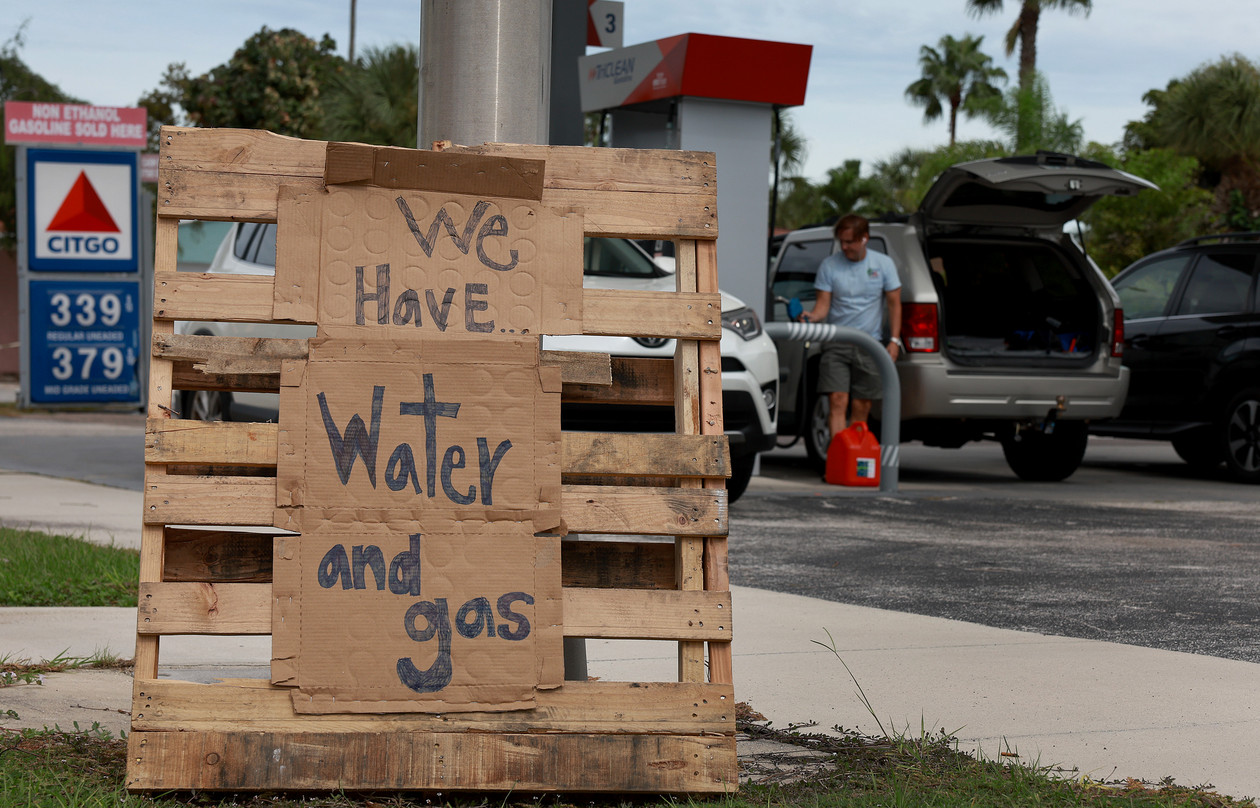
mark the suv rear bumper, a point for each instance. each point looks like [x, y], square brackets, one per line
[934, 391]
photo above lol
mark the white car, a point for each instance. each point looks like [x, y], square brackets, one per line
[750, 363]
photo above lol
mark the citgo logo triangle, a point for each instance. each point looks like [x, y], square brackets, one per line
[82, 211]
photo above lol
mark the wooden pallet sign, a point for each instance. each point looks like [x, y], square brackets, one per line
[418, 534]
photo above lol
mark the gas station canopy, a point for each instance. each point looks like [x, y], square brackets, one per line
[699, 66]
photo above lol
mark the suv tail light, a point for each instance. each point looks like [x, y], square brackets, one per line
[1117, 333]
[919, 327]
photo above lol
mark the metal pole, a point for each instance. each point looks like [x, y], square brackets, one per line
[891, 414]
[485, 77]
[485, 71]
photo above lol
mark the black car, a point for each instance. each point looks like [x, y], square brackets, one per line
[1192, 346]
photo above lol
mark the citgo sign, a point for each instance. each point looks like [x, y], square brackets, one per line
[82, 211]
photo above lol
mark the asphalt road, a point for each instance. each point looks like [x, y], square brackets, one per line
[1134, 548]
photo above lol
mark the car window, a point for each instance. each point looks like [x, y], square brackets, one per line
[1146, 290]
[255, 243]
[618, 258]
[1220, 283]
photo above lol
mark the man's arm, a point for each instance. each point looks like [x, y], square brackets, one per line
[822, 305]
[893, 299]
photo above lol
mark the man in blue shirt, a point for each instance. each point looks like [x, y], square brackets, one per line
[854, 285]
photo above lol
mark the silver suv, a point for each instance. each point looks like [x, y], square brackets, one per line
[1011, 332]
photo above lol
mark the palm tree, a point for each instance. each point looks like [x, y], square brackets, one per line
[958, 74]
[375, 100]
[1031, 121]
[1024, 31]
[1213, 114]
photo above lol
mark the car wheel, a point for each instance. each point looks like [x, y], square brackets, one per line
[818, 433]
[206, 405]
[1039, 457]
[1197, 448]
[741, 474]
[1239, 436]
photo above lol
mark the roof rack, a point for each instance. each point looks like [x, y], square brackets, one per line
[1221, 238]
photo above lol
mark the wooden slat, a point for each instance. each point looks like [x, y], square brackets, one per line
[716, 577]
[187, 441]
[647, 614]
[588, 453]
[581, 367]
[203, 608]
[689, 549]
[224, 556]
[608, 312]
[662, 455]
[197, 500]
[617, 564]
[152, 547]
[637, 193]
[225, 196]
[185, 377]
[650, 511]
[383, 761]
[205, 296]
[256, 706]
[634, 381]
[644, 614]
[240, 152]
[204, 362]
[217, 556]
[242, 355]
[180, 500]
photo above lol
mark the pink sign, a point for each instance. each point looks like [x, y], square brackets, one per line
[76, 124]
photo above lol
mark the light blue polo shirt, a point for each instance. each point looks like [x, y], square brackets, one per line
[857, 289]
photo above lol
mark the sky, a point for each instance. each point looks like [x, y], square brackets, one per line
[865, 52]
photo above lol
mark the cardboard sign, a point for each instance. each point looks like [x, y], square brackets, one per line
[458, 615]
[419, 442]
[429, 263]
[392, 429]
[418, 472]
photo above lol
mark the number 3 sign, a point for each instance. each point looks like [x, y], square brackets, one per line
[604, 24]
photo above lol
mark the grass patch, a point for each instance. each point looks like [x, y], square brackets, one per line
[87, 768]
[37, 569]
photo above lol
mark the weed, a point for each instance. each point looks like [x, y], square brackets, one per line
[23, 671]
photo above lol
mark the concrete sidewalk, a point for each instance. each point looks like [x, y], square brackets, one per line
[1109, 711]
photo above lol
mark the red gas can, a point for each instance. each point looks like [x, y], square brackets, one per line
[853, 457]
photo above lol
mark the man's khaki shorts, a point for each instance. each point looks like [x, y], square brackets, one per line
[848, 369]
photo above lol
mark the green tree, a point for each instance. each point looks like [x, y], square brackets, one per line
[1213, 114]
[903, 179]
[800, 204]
[376, 99]
[956, 74]
[272, 82]
[163, 104]
[1024, 31]
[796, 200]
[1030, 120]
[1122, 229]
[845, 190]
[18, 83]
